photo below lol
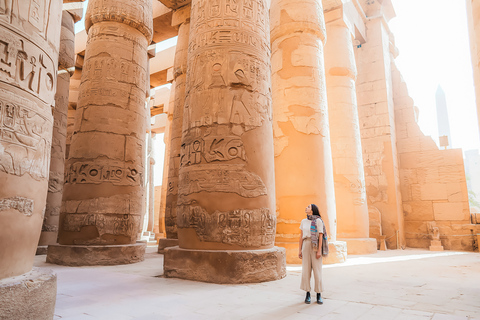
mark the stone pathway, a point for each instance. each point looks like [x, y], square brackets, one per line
[397, 284]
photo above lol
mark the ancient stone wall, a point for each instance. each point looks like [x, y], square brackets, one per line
[377, 126]
[433, 185]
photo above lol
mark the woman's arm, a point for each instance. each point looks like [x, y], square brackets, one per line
[300, 244]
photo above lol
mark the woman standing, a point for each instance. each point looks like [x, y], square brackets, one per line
[311, 248]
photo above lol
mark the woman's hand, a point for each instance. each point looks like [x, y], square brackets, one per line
[300, 254]
[319, 254]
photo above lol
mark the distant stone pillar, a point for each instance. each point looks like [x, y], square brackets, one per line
[182, 19]
[226, 192]
[151, 186]
[349, 177]
[29, 44]
[103, 192]
[160, 233]
[66, 67]
[303, 159]
[473, 15]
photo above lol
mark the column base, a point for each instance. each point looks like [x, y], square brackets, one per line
[41, 250]
[436, 245]
[225, 266]
[291, 251]
[108, 255]
[337, 252]
[31, 295]
[166, 243]
[360, 245]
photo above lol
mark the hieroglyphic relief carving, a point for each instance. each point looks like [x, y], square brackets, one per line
[221, 178]
[113, 68]
[25, 65]
[243, 227]
[97, 173]
[24, 137]
[232, 89]
[112, 224]
[21, 204]
[212, 148]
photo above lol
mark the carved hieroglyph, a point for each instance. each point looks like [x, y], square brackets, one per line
[341, 73]
[66, 67]
[226, 183]
[303, 162]
[29, 41]
[104, 178]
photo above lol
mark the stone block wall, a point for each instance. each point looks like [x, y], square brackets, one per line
[433, 183]
[377, 129]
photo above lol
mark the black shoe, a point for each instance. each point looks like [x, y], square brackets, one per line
[307, 298]
[319, 298]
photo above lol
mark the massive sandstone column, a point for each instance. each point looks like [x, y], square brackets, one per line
[103, 193]
[226, 192]
[349, 178]
[66, 68]
[29, 42]
[181, 18]
[303, 160]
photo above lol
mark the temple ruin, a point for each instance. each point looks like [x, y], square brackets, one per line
[264, 106]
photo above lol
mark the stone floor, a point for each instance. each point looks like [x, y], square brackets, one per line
[397, 284]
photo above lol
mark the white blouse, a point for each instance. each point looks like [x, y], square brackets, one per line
[305, 227]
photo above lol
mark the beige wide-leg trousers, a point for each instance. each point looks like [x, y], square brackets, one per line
[311, 263]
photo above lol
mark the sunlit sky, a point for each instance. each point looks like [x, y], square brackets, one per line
[432, 38]
[433, 42]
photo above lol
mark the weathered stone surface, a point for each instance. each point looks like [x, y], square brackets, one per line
[226, 198]
[225, 266]
[66, 67]
[303, 161]
[30, 296]
[337, 252]
[105, 173]
[92, 255]
[166, 243]
[360, 246]
[175, 133]
[349, 177]
[29, 45]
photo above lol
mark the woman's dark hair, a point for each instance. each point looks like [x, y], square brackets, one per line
[315, 211]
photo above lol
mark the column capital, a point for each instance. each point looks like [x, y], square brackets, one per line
[175, 4]
[130, 12]
[181, 15]
[349, 14]
[289, 19]
[75, 8]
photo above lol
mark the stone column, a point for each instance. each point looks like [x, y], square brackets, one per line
[29, 44]
[349, 177]
[160, 234]
[103, 192]
[226, 192]
[473, 17]
[377, 122]
[151, 185]
[66, 67]
[303, 159]
[181, 18]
